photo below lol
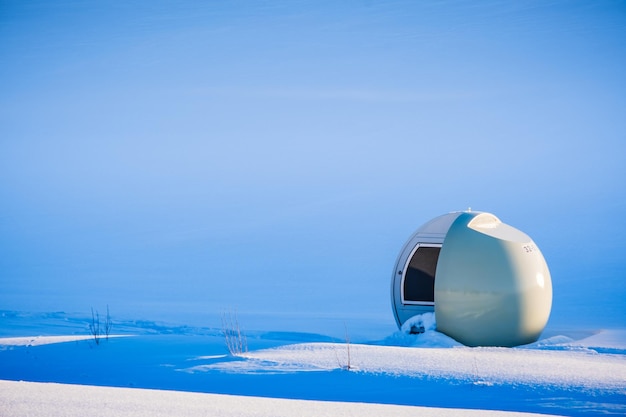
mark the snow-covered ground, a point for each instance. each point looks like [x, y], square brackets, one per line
[582, 369]
[298, 373]
[37, 399]
[44, 340]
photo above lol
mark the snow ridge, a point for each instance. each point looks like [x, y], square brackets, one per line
[583, 369]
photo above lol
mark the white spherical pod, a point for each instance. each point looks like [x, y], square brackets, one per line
[492, 286]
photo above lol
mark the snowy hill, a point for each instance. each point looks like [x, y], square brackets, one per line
[558, 375]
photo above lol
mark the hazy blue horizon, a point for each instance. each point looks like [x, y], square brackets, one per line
[274, 157]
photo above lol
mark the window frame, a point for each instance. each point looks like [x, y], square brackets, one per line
[406, 268]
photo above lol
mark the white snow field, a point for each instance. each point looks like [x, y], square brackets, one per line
[179, 370]
[585, 369]
[45, 340]
[42, 400]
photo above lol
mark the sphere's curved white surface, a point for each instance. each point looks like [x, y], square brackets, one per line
[492, 286]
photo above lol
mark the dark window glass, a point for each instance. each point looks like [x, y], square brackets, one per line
[419, 280]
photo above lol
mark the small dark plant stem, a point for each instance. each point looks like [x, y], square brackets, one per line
[108, 324]
[349, 366]
[94, 327]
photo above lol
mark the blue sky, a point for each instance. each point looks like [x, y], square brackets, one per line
[274, 156]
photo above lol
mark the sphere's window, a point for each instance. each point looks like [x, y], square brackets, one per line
[419, 279]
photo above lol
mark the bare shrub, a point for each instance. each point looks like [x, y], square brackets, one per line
[347, 365]
[96, 329]
[235, 339]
